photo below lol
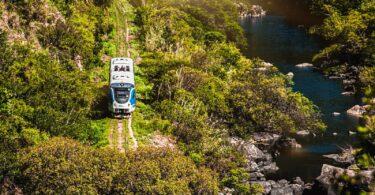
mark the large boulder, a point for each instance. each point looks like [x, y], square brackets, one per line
[265, 138]
[345, 157]
[330, 177]
[357, 111]
[330, 174]
[340, 159]
[252, 151]
[248, 148]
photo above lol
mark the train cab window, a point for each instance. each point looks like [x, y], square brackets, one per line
[122, 95]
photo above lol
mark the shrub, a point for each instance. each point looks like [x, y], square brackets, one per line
[62, 165]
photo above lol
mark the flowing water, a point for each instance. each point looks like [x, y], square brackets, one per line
[280, 39]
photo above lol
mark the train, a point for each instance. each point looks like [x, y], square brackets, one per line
[122, 95]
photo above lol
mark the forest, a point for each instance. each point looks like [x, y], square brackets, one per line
[194, 85]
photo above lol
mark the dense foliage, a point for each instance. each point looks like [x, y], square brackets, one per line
[193, 83]
[205, 87]
[349, 27]
[65, 166]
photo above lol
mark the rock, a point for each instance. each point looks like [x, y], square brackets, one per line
[303, 133]
[256, 175]
[357, 111]
[283, 182]
[252, 151]
[256, 11]
[334, 133]
[288, 143]
[248, 148]
[345, 157]
[304, 65]
[254, 166]
[282, 191]
[336, 114]
[268, 157]
[290, 75]
[276, 185]
[352, 133]
[334, 77]
[265, 138]
[299, 181]
[347, 93]
[330, 174]
[267, 64]
[349, 82]
[271, 168]
[341, 158]
[297, 189]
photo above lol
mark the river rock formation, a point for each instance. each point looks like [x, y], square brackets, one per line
[252, 11]
[331, 176]
[256, 11]
[260, 162]
[282, 187]
[345, 157]
[357, 111]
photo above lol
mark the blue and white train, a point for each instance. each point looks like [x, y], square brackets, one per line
[122, 87]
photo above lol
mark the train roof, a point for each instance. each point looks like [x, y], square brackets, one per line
[122, 71]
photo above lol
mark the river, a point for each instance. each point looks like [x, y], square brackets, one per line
[281, 39]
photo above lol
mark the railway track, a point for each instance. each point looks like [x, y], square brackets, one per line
[120, 138]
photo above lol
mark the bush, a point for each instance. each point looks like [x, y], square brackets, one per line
[62, 165]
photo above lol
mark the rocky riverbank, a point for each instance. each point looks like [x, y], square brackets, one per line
[252, 11]
[334, 178]
[260, 151]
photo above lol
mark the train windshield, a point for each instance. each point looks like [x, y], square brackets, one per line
[122, 95]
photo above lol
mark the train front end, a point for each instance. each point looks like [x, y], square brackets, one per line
[122, 87]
